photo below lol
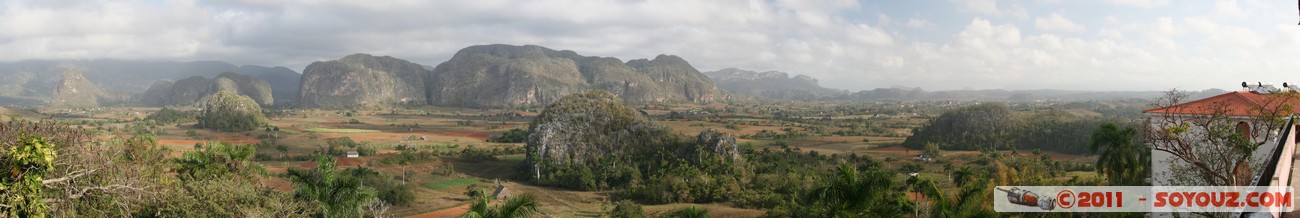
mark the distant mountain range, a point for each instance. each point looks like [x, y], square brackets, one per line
[26, 81]
[770, 85]
[499, 76]
[481, 76]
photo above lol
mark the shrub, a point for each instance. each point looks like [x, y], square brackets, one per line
[515, 135]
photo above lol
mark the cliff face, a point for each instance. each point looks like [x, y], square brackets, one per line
[581, 130]
[534, 75]
[257, 89]
[362, 80]
[191, 90]
[678, 77]
[75, 91]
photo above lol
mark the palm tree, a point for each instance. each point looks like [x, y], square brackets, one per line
[1122, 161]
[849, 194]
[690, 212]
[969, 202]
[523, 205]
[335, 194]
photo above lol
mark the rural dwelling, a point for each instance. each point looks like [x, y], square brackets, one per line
[500, 191]
[353, 154]
[1204, 130]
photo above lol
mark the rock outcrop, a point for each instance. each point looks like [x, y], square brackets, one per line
[363, 80]
[74, 90]
[770, 85]
[587, 130]
[230, 112]
[257, 89]
[191, 90]
[535, 75]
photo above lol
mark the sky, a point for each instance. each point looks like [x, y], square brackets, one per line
[1104, 45]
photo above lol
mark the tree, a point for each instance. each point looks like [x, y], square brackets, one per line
[284, 150]
[23, 192]
[334, 194]
[849, 194]
[971, 201]
[1123, 162]
[931, 150]
[102, 178]
[1205, 141]
[523, 205]
[217, 160]
[690, 212]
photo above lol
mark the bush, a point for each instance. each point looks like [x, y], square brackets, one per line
[627, 209]
[168, 116]
[515, 135]
[366, 150]
[390, 190]
[475, 155]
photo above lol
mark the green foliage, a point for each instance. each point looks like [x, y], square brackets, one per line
[367, 150]
[341, 142]
[515, 135]
[627, 209]
[522, 205]
[690, 212]
[224, 198]
[389, 190]
[472, 154]
[27, 162]
[970, 201]
[849, 193]
[1124, 162]
[333, 194]
[168, 116]
[993, 126]
[931, 150]
[217, 161]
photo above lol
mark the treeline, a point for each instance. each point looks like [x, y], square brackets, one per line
[994, 126]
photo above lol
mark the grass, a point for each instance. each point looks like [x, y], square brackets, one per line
[512, 158]
[450, 183]
[327, 130]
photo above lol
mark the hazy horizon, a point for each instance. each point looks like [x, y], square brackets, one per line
[1149, 45]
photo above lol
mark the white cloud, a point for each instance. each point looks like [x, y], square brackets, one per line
[1140, 3]
[920, 23]
[1110, 33]
[1056, 22]
[1227, 7]
[988, 7]
[840, 42]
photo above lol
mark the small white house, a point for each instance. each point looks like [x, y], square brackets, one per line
[353, 154]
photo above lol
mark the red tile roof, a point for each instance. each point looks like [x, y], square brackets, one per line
[1238, 103]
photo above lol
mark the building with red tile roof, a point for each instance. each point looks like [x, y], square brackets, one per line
[1238, 103]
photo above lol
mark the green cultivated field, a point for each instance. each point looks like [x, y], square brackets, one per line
[450, 183]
